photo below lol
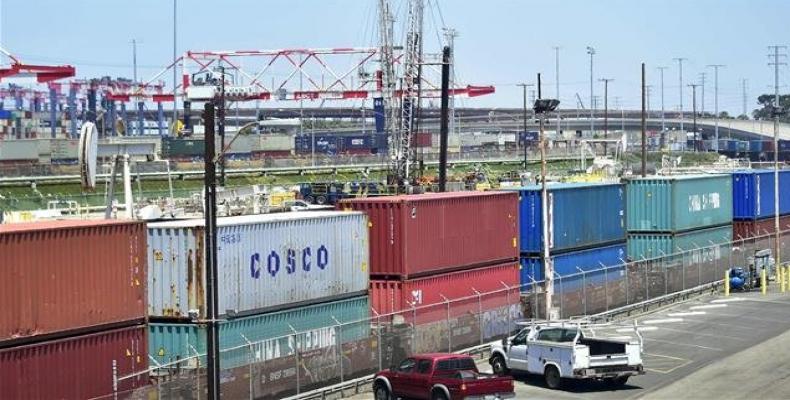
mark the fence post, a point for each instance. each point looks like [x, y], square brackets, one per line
[251, 361]
[605, 285]
[509, 319]
[584, 291]
[115, 379]
[413, 328]
[197, 376]
[683, 265]
[339, 346]
[479, 313]
[647, 282]
[449, 328]
[625, 269]
[380, 340]
[562, 294]
[535, 295]
[296, 358]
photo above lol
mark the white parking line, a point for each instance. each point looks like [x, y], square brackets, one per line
[682, 344]
[686, 314]
[662, 321]
[727, 300]
[640, 329]
[707, 306]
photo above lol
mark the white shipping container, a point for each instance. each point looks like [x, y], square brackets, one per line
[276, 142]
[265, 262]
[19, 150]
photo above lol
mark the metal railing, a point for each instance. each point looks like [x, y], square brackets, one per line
[349, 351]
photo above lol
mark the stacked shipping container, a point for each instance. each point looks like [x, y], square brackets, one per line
[74, 301]
[586, 229]
[671, 214]
[436, 248]
[754, 206]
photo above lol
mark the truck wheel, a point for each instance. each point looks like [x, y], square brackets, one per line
[321, 199]
[380, 392]
[552, 377]
[499, 365]
[439, 395]
[309, 199]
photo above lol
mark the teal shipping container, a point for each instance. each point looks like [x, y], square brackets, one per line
[653, 245]
[316, 326]
[678, 203]
[581, 215]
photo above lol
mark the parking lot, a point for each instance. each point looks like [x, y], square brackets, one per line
[710, 347]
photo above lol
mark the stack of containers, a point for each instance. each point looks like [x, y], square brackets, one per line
[753, 202]
[278, 274]
[586, 228]
[73, 297]
[433, 248]
[673, 214]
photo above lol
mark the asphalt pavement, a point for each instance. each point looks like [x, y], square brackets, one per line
[707, 348]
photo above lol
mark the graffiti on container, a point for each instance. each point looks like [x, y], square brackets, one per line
[705, 201]
[290, 261]
[496, 321]
[431, 337]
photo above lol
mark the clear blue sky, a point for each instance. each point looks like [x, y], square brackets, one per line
[501, 42]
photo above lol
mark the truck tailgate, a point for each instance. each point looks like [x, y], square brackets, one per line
[488, 384]
[608, 360]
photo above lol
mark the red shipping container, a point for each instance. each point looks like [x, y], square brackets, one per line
[422, 139]
[75, 368]
[415, 296]
[63, 277]
[760, 227]
[418, 235]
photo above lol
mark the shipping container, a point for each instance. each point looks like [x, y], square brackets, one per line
[571, 263]
[784, 145]
[743, 229]
[422, 139]
[753, 193]
[19, 150]
[272, 142]
[242, 144]
[417, 235]
[652, 245]
[581, 215]
[177, 147]
[79, 367]
[265, 262]
[320, 143]
[392, 296]
[678, 203]
[63, 277]
[316, 326]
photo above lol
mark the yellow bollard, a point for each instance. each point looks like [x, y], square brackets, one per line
[763, 282]
[787, 277]
[727, 283]
[780, 280]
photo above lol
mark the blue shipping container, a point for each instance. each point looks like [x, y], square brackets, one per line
[784, 145]
[755, 146]
[324, 144]
[6, 114]
[567, 264]
[582, 215]
[355, 142]
[753, 194]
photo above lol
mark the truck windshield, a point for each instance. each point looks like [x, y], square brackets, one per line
[456, 364]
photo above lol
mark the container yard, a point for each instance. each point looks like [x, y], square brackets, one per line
[324, 217]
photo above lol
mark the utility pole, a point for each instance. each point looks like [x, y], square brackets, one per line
[663, 121]
[444, 122]
[605, 111]
[134, 60]
[175, 70]
[210, 182]
[644, 125]
[548, 265]
[221, 123]
[702, 81]
[744, 82]
[591, 52]
[716, 102]
[524, 88]
[776, 111]
[694, 111]
[557, 84]
[680, 86]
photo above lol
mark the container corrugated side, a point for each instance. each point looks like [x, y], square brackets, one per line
[63, 277]
[652, 245]
[419, 235]
[271, 142]
[753, 194]
[391, 296]
[78, 367]
[581, 215]
[571, 263]
[316, 324]
[674, 204]
[19, 150]
[265, 262]
[745, 229]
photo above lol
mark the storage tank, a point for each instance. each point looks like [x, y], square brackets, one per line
[420, 235]
[678, 203]
[63, 277]
[265, 262]
[581, 215]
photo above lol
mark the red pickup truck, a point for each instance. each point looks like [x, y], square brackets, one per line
[440, 376]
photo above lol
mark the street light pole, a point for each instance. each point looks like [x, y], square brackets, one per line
[591, 52]
[663, 121]
[210, 209]
[716, 102]
[694, 112]
[524, 88]
[680, 87]
[175, 73]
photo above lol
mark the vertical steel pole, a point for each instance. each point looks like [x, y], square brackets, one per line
[644, 126]
[557, 84]
[211, 256]
[444, 122]
[115, 379]
[175, 69]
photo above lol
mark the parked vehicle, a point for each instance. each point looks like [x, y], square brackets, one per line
[561, 351]
[440, 376]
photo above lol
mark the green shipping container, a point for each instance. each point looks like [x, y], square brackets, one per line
[169, 342]
[678, 203]
[652, 245]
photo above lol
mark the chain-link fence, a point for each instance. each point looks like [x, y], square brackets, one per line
[302, 361]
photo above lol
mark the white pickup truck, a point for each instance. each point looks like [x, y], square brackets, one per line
[561, 351]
